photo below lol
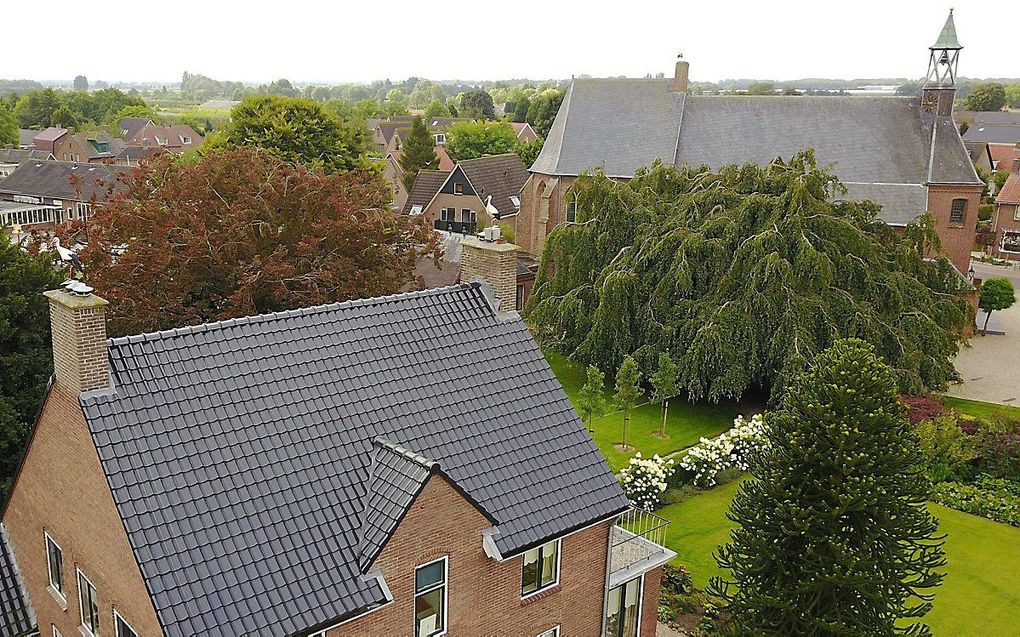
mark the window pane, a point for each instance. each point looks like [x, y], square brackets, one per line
[123, 630]
[428, 575]
[529, 577]
[631, 607]
[89, 604]
[549, 558]
[613, 611]
[428, 612]
[56, 565]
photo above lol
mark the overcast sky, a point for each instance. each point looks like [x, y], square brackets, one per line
[344, 41]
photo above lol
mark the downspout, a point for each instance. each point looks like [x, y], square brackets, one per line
[605, 585]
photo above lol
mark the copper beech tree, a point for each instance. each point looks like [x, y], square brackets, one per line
[243, 233]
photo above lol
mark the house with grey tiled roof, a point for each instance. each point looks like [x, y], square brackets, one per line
[333, 470]
[51, 193]
[905, 154]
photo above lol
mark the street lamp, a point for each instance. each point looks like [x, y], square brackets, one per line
[970, 275]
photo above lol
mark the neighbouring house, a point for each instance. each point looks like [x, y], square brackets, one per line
[1006, 224]
[524, 131]
[980, 156]
[11, 158]
[25, 137]
[176, 138]
[88, 147]
[46, 139]
[393, 172]
[134, 155]
[129, 126]
[999, 129]
[39, 195]
[473, 195]
[902, 153]
[1003, 155]
[388, 133]
[327, 471]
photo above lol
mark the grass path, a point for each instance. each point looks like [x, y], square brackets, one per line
[979, 597]
[686, 424]
[979, 409]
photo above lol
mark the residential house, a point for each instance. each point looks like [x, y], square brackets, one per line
[129, 126]
[25, 137]
[347, 469]
[1006, 224]
[388, 134]
[393, 172]
[1003, 155]
[473, 195]
[11, 158]
[88, 147]
[524, 131]
[1000, 129]
[980, 156]
[39, 195]
[902, 153]
[46, 139]
[176, 138]
[134, 155]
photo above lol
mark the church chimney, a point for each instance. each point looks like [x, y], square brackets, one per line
[78, 326]
[680, 77]
[939, 90]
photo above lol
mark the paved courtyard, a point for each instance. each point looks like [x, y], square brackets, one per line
[990, 367]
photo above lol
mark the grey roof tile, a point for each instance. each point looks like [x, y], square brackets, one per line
[53, 179]
[240, 453]
[16, 615]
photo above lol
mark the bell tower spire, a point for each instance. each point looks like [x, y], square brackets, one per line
[940, 86]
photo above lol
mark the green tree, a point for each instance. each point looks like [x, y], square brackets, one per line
[1013, 95]
[521, 110]
[528, 151]
[468, 140]
[833, 533]
[591, 401]
[133, 111]
[743, 275]
[999, 179]
[282, 87]
[665, 385]
[64, 118]
[437, 108]
[761, 88]
[628, 393]
[542, 110]
[298, 130]
[418, 152]
[35, 108]
[8, 126]
[25, 360]
[81, 83]
[996, 294]
[477, 104]
[990, 96]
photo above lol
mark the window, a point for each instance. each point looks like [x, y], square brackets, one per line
[123, 628]
[572, 209]
[440, 138]
[430, 599]
[56, 633]
[447, 214]
[541, 568]
[1010, 241]
[88, 602]
[519, 304]
[55, 565]
[468, 216]
[1016, 213]
[458, 188]
[552, 632]
[623, 609]
[956, 215]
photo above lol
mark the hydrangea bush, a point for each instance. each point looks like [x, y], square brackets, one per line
[644, 480]
[729, 449]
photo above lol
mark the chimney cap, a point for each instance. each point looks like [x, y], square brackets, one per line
[73, 300]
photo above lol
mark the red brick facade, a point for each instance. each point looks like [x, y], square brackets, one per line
[957, 238]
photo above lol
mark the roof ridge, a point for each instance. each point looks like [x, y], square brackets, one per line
[283, 314]
[415, 457]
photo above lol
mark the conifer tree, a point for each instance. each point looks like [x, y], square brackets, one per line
[833, 536]
[418, 152]
[628, 393]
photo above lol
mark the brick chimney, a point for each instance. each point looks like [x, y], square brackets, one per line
[1016, 165]
[78, 324]
[683, 67]
[496, 263]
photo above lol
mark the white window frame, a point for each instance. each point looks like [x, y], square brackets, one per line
[640, 602]
[552, 632]
[446, 596]
[49, 567]
[81, 607]
[458, 186]
[116, 626]
[56, 631]
[555, 582]
[1016, 212]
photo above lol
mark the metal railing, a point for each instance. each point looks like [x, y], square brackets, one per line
[638, 536]
[457, 227]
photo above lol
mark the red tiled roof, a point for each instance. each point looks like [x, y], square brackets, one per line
[1010, 192]
[445, 163]
[1003, 156]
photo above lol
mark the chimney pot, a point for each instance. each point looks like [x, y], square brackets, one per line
[680, 79]
[78, 326]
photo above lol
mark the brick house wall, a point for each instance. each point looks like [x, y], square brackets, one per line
[957, 242]
[484, 596]
[61, 490]
[1007, 219]
[69, 148]
[543, 209]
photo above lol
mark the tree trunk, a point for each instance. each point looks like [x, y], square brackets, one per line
[665, 413]
[626, 425]
[988, 315]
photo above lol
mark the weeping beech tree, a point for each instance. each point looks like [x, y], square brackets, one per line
[742, 276]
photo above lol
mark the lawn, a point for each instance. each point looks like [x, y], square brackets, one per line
[979, 596]
[686, 424]
[979, 409]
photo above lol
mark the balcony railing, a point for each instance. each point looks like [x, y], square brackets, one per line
[636, 545]
[456, 227]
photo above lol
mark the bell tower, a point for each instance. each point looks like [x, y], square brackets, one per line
[940, 87]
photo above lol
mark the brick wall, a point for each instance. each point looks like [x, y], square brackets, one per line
[61, 490]
[957, 243]
[539, 214]
[650, 602]
[484, 595]
[1005, 219]
[80, 359]
[494, 262]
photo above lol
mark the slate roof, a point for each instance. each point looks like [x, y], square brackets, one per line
[132, 125]
[993, 118]
[501, 176]
[20, 155]
[900, 202]
[53, 179]
[1010, 192]
[624, 124]
[239, 453]
[425, 187]
[50, 134]
[25, 136]
[16, 615]
[993, 133]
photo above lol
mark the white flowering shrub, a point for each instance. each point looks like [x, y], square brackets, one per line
[644, 480]
[729, 449]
